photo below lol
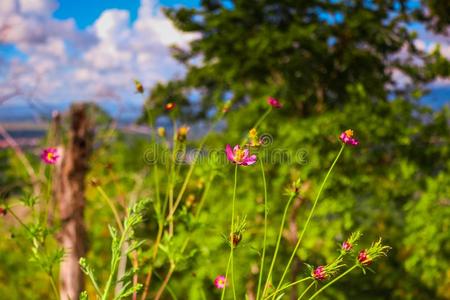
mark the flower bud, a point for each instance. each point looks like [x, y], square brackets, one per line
[319, 273]
[363, 258]
[346, 246]
[235, 238]
[138, 86]
[182, 133]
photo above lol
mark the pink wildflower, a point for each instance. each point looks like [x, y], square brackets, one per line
[319, 273]
[220, 282]
[363, 258]
[346, 246]
[347, 138]
[240, 156]
[50, 155]
[274, 102]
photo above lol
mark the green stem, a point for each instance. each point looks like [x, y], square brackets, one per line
[196, 214]
[333, 281]
[112, 206]
[287, 286]
[226, 277]
[148, 278]
[230, 260]
[55, 290]
[10, 211]
[310, 216]
[277, 247]
[205, 193]
[265, 230]
[158, 197]
[191, 169]
[165, 282]
[306, 290]
[172, 178]
[169, 288]
[114, 264]
[263, 117]
[48, 196]
[232, 233]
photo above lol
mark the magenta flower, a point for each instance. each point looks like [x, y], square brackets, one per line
[319, 273]
[50, 155]
[220, 282]
[346, 246]
[274, 102]
[240, 156]
[363, 258]
[347, 138]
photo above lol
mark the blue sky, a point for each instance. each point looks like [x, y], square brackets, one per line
[85, 12]
[53, 52]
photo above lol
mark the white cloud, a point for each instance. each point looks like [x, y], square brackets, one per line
[99, 63]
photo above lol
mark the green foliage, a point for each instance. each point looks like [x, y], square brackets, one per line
[331, 64]
[119, 240]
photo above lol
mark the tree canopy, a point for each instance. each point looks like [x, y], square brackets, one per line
[308, 53]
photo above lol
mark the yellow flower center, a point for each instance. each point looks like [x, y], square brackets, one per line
[349, 133]
[238, 155]
[50, 156]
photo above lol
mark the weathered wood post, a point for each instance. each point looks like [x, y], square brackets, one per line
[70, 195]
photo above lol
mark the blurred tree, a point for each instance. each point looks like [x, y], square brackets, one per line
[305, 52]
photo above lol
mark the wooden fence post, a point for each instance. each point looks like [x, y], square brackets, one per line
[70, 195]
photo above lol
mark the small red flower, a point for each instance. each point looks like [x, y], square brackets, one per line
[363, 258]
[274, 102]
[3, 211]
[346, 246]
[220, 282]
[169, 106]
[50, 156]
[319, 273]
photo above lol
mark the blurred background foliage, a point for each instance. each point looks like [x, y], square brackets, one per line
[331, 64]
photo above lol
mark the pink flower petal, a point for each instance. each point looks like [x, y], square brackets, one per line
[244, 157]
[249, 160]
[230, 154]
